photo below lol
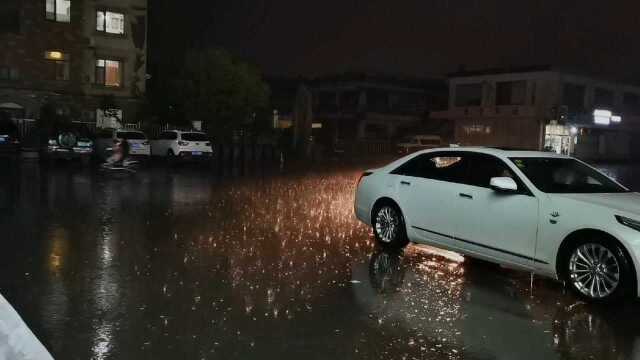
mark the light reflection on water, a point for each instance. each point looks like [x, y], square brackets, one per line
[170, 265]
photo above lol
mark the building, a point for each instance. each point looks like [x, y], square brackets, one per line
[75, 56]
[362, 108]
[544, 108]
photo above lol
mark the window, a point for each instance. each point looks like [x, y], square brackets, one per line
[130, 135]
[9, 73]
[10, 17]
[631, 103]
[59, 64]
[511, 92]
[468, 95]
[109, 72]
[603, 98]
[194, 137]
[110, 22]
[563, 176]
[168, 135]
[437, 166]
[573, 97]
[58, 10]
[484, 167]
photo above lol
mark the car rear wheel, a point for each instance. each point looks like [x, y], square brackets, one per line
[389, 228]
[598, 271]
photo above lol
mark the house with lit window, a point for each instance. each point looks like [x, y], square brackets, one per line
[544, 108]
[76, 56]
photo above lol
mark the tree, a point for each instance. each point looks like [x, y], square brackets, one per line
[221, 91]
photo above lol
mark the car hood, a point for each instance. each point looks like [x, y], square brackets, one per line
[627, 202]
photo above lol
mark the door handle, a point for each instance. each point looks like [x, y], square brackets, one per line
[405, 183]
[466, 196]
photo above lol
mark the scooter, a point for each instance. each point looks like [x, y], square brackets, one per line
[126, 165]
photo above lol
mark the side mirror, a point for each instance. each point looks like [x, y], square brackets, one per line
[503, 184]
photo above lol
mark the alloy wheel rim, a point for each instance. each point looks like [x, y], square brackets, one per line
[594, 270]
[387, 224]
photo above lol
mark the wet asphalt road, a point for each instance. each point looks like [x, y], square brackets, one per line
[182, 264]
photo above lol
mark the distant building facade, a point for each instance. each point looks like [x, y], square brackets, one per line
[544, 108]
[76, 56]
[358, 108]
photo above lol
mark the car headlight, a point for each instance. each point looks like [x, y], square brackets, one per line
[634, 224]
[53, 142]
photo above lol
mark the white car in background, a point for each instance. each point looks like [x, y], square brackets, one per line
[139, 145]
[182, 144]
[541, 212]
[415, 143]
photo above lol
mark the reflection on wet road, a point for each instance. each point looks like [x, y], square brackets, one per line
[185, 265]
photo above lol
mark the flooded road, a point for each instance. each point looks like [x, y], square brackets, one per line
[182, 264]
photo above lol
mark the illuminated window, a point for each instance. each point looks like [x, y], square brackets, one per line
[109, 72]
[59, 64]
[110, 22]
[58, 10]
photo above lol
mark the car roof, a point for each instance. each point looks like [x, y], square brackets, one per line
[501, 152]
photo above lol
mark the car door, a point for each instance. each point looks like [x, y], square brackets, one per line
[496, 224]
[427, 188]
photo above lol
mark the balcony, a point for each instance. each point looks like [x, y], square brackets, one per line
[503, 111]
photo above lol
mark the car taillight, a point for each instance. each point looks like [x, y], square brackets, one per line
[183, 143]
[364, 174]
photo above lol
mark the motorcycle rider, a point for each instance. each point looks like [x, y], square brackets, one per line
[120, 152]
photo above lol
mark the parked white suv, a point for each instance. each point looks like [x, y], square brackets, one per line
[139, 145]
[549, 214]
[182, 144]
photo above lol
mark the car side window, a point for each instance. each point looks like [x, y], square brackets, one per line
[173, 136]
[415, 167]
[450, 167]
[484, 167]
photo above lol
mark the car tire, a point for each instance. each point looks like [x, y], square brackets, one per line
[389, 227]
[598, 270]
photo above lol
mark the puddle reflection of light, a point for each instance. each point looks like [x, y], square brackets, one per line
[450, 255]
[102, 342]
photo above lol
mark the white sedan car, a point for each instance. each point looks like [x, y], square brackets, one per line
[545, 213]
[182, 144]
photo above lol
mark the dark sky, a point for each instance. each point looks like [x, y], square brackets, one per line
[411, 37]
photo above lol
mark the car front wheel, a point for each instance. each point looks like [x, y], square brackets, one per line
[599, 271]
[389, 228]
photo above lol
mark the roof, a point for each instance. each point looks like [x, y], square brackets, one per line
[501, 152]
[498, 71]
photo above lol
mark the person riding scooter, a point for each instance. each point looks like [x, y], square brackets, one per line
[120, 152]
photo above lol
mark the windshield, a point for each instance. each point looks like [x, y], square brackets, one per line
[194, 137]
[565, 176]
[130, 135]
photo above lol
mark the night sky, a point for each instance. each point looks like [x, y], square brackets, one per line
[406, 37]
